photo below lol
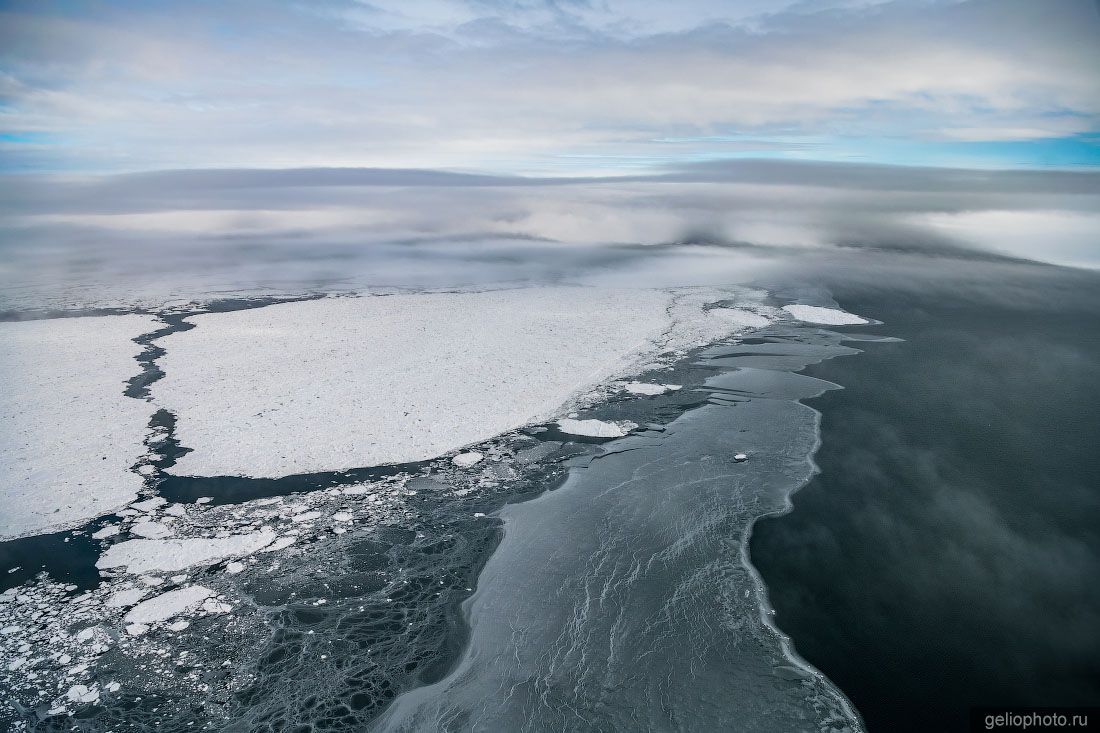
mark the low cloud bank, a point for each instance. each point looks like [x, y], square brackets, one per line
[190, 231]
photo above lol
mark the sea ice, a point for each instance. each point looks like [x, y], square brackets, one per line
[279, 544]
[826, 316]
[465, 460]
[149, 505]
[644, 388]
[70, 434]
[595, 428]
[142, 556]
[83, 694]
[341, 383]
[151, 530]
[127, 597]
[167, 605]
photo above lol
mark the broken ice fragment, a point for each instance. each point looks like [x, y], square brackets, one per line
[465, 460]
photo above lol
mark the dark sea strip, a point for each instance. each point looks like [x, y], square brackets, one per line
[947, 554]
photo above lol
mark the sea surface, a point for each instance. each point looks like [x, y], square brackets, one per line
[947, 555]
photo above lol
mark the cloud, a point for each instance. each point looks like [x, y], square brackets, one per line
[532, 86]
[197, 232]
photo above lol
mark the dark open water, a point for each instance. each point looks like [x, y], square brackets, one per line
[948, 554]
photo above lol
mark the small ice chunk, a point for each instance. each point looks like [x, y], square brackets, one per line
[150, 580]
[740, 457]
[465, 460]
[643, 388]
[112, 687]
[279, 544]
[595, 428]
[140, 556]
[136, 629]
[146, 469]
[827, 316]
[151, 530]
[305, 517]
[178, 625]
[176, 510]
[149, 505]
[167, 605]
[354, 490]
[204, 500]
[341, 517]
[109, 531]
[83, 694]
[211, 605]
[234, 567]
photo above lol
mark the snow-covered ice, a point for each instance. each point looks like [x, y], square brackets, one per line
[126, 598]
[104, 532]
[151, 530]
[825, 316]
[341, 383]
[83, 694]
[595, 428]
[167, 605]
[465, 460]
[149, 505]
[644, 388]
[70, 435]
[142, 556]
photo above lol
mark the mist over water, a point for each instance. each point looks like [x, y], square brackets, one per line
[946, 555]
[149, 238]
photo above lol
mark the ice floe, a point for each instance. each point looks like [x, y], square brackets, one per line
[150, 530]
[126, 598]
[410, 377]
[70, 434]
[825, 316]
[141, 556]
[104, 532]
[643, 388]
[168, 605]
[465, 460]
[595, 428]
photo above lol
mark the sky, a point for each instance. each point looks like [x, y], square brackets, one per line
[546, 87]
